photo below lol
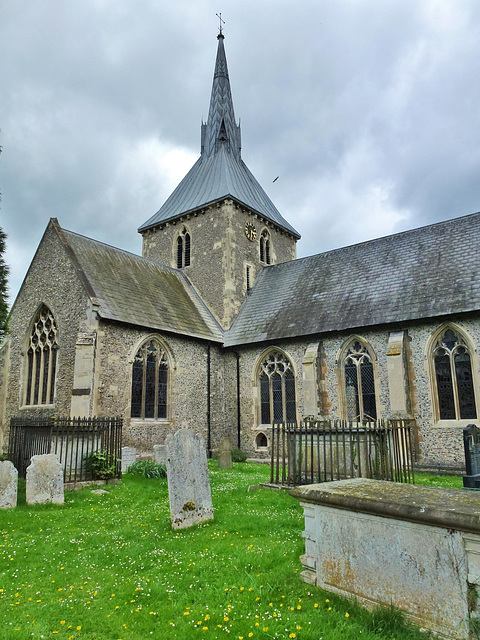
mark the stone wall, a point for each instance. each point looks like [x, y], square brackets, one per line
[439, 443]
[220, 253]
[187, 396]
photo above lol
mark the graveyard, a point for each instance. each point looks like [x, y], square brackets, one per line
[106, 564]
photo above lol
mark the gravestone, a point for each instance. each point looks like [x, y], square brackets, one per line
[8, 485]
[225, 454]
[159, 454]
[45, 480]
[188, 481]
[129, 456]
[471, 443]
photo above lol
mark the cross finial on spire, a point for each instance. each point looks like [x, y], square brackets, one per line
[219, 16]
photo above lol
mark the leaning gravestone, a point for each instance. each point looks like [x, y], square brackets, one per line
[471, 443]
[225, 454]
[129, 456]
[159, 453]
[8, 485]
[188, 482]
[45, 480]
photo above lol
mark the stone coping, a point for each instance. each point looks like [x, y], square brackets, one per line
[434, 506]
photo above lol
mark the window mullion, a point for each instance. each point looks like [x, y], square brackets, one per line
[34, 373]
[144, 384]
[456, 399]
[284, 400]
[270, 390]
[360, 390]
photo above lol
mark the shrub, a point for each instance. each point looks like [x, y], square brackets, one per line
[238, 455]
[147, 469]
[102, 464]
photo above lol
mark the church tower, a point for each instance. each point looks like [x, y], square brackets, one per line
[219, 226]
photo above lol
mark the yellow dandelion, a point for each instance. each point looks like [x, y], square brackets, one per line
[62, 621]
[79, 628]
[292, 635]
[347, 615]
[225, 618]
[205, 628]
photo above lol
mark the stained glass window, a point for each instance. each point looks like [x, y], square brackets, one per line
[277, 389]
[454, 379]
[149, 382]
[42, 359]
[359, 384]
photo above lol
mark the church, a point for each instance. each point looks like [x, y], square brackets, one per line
[219, 328]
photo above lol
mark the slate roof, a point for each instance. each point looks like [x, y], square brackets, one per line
[427, 272]
[220, 171]
[134, 290]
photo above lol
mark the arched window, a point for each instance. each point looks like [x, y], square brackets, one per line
[150, 381]
[265, 248]
[261, 441]
[359, 383]
[277, 389]
[42, 359]
[183, 249]
[453, 377]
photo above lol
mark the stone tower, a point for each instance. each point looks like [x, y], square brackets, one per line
[219, 226]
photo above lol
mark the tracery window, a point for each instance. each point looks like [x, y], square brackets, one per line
[265, 248]
[42, 359]
[150, 381]
[453, 377]
[183, 249]
[277, 389]
[359, 383]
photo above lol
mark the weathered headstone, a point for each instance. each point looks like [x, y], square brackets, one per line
[188, 482]
[8, 485]
[471, 443]
[225, 454]
[129, 456]
[159, 454]
[45, 480]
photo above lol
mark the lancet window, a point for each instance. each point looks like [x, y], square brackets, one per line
[150, 381]
[42, 359]
[453, 378]
[359, 383]
[183, 249]
[277, 389]
[265, 247]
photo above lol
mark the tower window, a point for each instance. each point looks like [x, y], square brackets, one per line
[183, 249]
[265, 247]
[454, 379]
[42, 359]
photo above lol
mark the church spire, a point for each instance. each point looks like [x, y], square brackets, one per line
[221, 130]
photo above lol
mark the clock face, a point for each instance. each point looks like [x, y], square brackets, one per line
[250, 231]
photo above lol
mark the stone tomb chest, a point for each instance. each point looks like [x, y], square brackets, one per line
[383, 543]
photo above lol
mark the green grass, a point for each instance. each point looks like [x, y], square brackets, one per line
[109, 567]
[447, 482]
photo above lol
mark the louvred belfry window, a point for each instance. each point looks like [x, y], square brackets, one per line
[277, 389]
[183, 249]
[265, 252]
[359, 384]
[42, 359]
[150, 382]
[454, 379]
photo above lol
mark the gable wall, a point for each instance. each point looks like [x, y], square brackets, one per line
[220, 252]
[51, 280]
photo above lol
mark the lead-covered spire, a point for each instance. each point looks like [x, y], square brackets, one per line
[221, 129]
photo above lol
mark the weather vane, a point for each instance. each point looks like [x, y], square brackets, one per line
[219, 16]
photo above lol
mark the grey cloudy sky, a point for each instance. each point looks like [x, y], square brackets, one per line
[367, 110]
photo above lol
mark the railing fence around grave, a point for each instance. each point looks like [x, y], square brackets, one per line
[326, 450]
[71, 439]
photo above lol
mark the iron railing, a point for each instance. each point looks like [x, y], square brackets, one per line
[327, 450]
[71, 439]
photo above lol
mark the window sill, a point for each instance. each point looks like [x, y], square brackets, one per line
[36, 406]
[455, 424]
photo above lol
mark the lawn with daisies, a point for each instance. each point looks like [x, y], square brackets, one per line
[109, 567]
